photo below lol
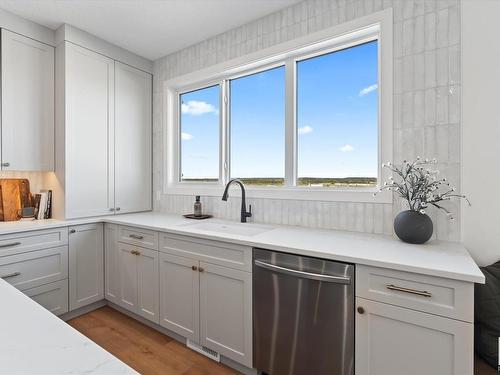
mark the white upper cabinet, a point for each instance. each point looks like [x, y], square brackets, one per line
[133, 129]
[27, 104]
[104, 133]
[89, 84]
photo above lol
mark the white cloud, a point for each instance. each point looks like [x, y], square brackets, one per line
[368, 90]
[197, 108]
[347, 148]
[305, 129]
[186, 136]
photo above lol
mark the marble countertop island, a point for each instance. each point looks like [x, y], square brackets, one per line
[34, 341]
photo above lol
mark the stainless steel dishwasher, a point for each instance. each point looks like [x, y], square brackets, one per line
[303, 315]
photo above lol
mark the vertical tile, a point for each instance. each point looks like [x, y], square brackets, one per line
[430, 106]
[419, 108]
[454, 104]
[407, 73]
[419, 35]
[430, 69]
[442, 105]
[442, 64]
[419, 71]
[454, 62]
[442, 28]
[408, 36]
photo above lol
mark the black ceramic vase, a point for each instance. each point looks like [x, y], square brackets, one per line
[413, 227]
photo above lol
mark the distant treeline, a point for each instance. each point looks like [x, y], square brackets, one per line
[303, 181]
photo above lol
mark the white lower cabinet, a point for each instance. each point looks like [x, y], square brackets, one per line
[111, 263]
[226, 312]
[53, 296]
[208, 304]
[179, 295]
[86, 265]
[392, 340]
[138, 280]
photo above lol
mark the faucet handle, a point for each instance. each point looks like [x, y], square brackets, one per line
[249, 213]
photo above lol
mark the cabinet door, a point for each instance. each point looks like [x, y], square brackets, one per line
[53, 296]
[148, 284]
[86, 265]
[226, 312]
[392, 340]
[127, 263]
[133, 130]
[112, 267]
[89, 133]
[179, 295]
[27, 104]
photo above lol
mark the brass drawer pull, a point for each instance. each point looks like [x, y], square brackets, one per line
[194, 268]
[135, 252]
[136, 237]
[201, 269]
[11, 244]
[422, 293]
[13, 274]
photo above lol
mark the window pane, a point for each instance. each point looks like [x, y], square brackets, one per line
[200, 135]
[258, 127]
[337, 118]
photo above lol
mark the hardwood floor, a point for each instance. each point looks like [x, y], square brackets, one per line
[144, 349]
[482, 368]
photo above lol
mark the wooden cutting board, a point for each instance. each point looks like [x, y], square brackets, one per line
[15, 195]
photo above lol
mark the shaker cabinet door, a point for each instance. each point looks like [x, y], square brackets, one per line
[392, 340]
[179, 295]
[133, 137]
[27, 104]
[89, 85]
[147, 284]
[86, 265]
[227, 329]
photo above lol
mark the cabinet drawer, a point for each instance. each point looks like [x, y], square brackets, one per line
[53, 296]
[28, 270]
[440, 296]
[139, 237]
[33, 240]
[215, 252]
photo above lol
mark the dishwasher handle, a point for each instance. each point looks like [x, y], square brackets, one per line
[304, 274]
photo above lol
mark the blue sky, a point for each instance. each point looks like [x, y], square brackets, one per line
[336, 119]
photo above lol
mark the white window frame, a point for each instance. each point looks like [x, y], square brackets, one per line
[377, 26]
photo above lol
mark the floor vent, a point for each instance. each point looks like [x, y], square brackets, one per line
[212, 354]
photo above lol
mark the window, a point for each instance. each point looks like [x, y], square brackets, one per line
[309, 119]
[199, 135]
[337, 118]
[257, 128]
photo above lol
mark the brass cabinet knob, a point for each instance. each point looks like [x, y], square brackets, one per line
[361, 310]
[201, 269]
[194, 268]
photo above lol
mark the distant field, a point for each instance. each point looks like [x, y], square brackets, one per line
[305, 181]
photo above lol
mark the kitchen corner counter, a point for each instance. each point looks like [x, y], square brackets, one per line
[34, 341]
[436, 258]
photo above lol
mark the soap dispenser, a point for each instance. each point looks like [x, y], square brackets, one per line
[197, 207]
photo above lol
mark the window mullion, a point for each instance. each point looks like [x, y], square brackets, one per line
[290, 125]
[225, 133]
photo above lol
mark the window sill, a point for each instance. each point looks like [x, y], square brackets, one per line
[306, 194]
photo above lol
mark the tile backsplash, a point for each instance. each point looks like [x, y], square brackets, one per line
[427, 102]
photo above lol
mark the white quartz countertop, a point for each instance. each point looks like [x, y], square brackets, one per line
[34, 341]
[435, 258]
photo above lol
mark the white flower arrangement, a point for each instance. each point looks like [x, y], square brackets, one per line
[420, 186]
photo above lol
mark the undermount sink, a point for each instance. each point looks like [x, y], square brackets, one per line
[238, 229]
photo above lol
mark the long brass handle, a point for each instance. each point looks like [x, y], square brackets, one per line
[136, 237]
[11, 244]
[13, 274]
[422, 293]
